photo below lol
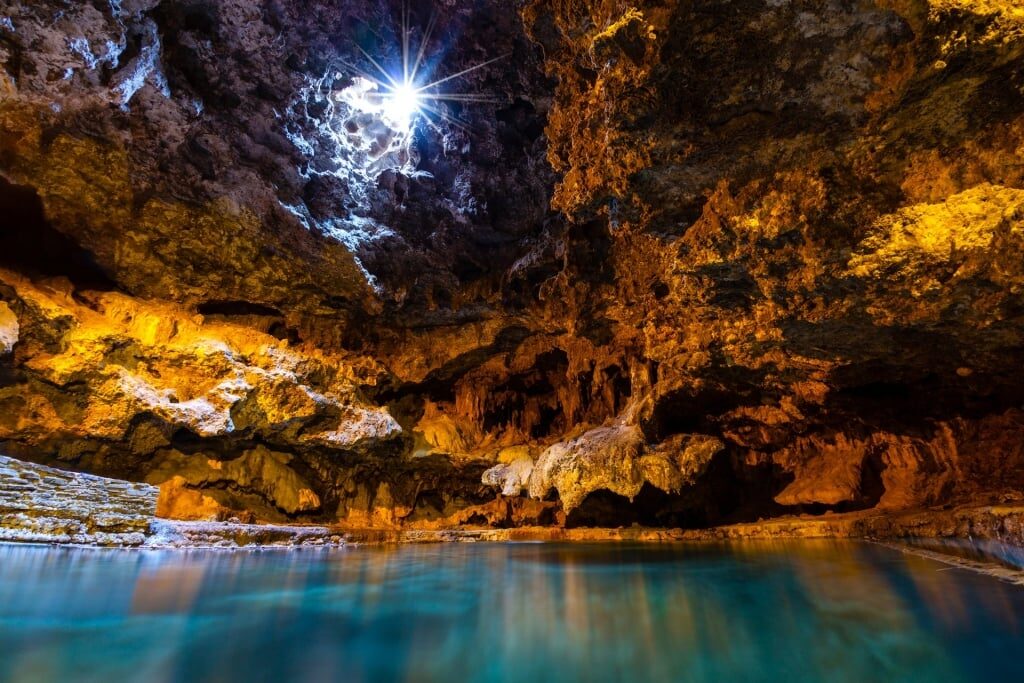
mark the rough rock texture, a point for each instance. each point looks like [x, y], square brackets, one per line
[232, 534]
[115, 385]
[612, 459]
[262, 471]
[47, 505]
[127, 359]
[676, 263]
[43, 505]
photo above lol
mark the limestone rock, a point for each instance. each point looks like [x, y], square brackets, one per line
[511, 478]
[613, 459]
[137, 360]
[375, 508]
[358, 427]
[657, 266]
[259, 471]
[45, 505]
[679, 461]
[177, 501]
[830, 476]
[8, 329]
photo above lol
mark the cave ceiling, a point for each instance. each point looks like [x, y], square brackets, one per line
[680, 261]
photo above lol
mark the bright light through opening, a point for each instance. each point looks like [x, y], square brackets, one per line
[401, 104]
[381, 97]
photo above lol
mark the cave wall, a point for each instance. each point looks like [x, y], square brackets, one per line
[687, 262]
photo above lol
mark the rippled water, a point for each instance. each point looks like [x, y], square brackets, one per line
[795, 611]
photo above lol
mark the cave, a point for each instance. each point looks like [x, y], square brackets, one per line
[687, 411]
[726, 493]
[30, 243]
[279, 244]
[279, 273]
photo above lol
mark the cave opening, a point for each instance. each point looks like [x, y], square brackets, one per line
[728, 492]
[30, 244]
[528, 402]
[689, 411]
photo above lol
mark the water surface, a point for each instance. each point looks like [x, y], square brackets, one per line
[794, 611]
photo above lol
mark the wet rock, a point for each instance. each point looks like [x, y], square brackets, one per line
[43, 504]
[511, 478]
[259, 471]
[761, 258]
[8, 329]
[614, 459]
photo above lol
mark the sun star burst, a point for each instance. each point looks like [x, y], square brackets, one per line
[402, 97]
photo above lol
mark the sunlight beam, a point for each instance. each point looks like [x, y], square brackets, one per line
[462, 73]
[397, 99]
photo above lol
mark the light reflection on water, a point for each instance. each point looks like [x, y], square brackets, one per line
[805, 611]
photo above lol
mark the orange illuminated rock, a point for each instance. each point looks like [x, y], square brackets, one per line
[177, 501]
[688, 264]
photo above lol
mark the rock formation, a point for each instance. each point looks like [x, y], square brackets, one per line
[41, 504]
[671, 263]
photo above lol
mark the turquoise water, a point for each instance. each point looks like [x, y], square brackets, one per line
[795, 611]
